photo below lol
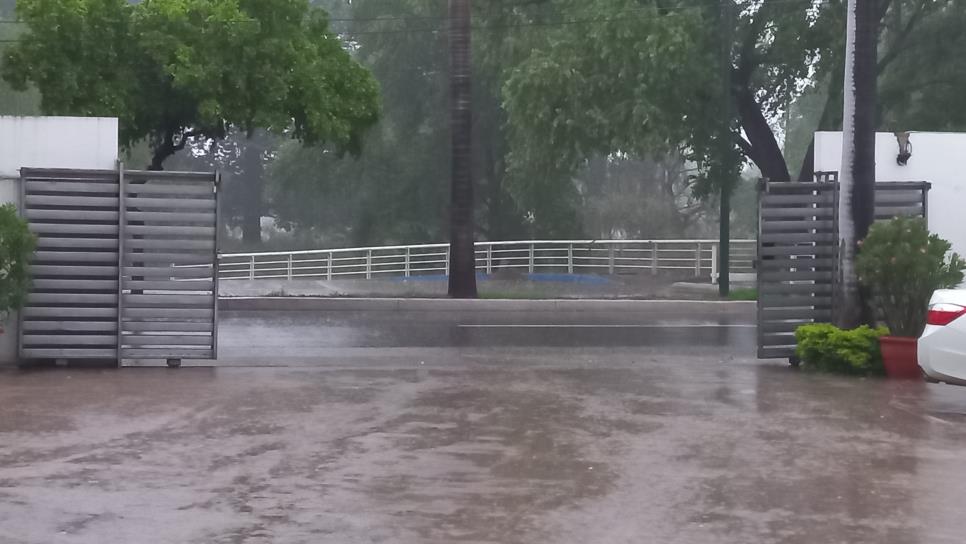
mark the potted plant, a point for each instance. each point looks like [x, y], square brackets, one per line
[901, 264]
[16, 246]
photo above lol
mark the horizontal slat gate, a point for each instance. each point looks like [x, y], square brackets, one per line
[168, 266]
[798, 253]
[125, 265]
[71, 311]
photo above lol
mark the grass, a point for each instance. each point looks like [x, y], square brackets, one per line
[743, 294]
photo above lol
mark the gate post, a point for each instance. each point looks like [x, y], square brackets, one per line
[697, 260]
[121, 221]
[714, 262]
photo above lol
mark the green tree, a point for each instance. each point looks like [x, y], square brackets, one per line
[171, 70]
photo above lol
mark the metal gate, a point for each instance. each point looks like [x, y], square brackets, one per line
[798, 252]
[126, 266]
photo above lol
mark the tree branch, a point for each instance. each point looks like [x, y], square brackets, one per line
[897, 46]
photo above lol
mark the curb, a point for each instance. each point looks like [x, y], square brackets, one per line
[445, 304]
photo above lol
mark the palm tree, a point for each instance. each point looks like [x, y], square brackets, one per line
[857, 174]
[462, 259]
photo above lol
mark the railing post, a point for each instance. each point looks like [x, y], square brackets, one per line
[251, 268]
[655, 257]
[610, 259]
[697, 260]
[328, 268]
[407, 272]
[714, 263]
[447, 260]
[570, 258]
[489, 259]
[531, 259]
[368, 264]
[290, 267]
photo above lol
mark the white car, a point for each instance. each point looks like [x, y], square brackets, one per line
[942, 346]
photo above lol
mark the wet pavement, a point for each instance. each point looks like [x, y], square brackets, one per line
[308, 337]
[539, 441]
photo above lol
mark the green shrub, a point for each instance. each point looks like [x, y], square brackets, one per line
[831, 349]
[902, 264]
[16, 246]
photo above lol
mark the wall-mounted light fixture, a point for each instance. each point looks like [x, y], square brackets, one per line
[905, 148]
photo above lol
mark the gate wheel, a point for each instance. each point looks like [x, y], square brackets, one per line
[174, 363]
[794, 361]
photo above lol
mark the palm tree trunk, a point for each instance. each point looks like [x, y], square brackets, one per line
[857, 175]
[462, 275]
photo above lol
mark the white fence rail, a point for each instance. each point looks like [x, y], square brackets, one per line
[692, 257]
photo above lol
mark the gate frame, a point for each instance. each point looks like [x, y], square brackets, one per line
[824, 181]
[120, 185]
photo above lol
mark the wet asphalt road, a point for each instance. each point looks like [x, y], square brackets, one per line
[314, 337]
[542, 440]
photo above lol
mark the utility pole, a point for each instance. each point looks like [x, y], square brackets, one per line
[727, 26]
[857, 174]
[462, 255]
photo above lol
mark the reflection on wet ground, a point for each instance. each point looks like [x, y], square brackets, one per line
[555, 445]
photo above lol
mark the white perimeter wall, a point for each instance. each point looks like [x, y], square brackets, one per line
[49, 142]
[937, 157]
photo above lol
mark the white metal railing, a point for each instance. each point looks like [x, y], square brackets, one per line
[694, 257]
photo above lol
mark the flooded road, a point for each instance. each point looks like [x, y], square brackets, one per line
[645, 441]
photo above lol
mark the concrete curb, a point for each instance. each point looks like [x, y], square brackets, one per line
[445, 304]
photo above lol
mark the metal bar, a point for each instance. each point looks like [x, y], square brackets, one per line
[21, 207]
[251, 268]
[289, 271]
[70, 187]
[121, 224]
[216, 189]
[139, 175]
[570, 258]
[697, 260]
[169, 203]
[407, 272]
[328, 274]
[368, 264]
[714, 263]
[166, 353]
[531, 259]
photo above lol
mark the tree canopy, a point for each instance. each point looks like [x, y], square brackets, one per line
[175, 69]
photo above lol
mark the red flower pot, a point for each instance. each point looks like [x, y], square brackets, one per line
[899, 357]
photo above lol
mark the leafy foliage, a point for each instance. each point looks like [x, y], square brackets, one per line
[16, 246]
[175, 69]
[828, 348]
[902, 264]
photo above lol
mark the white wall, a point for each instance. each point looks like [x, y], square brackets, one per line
[57, 142]
[49, 142]
[937, 157]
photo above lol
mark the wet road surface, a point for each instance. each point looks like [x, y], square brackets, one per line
[536, 443]
[308, 337]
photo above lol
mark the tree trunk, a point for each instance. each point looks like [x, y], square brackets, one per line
[765, 151]
[462, 273]
[857, 174]
[250, 191]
